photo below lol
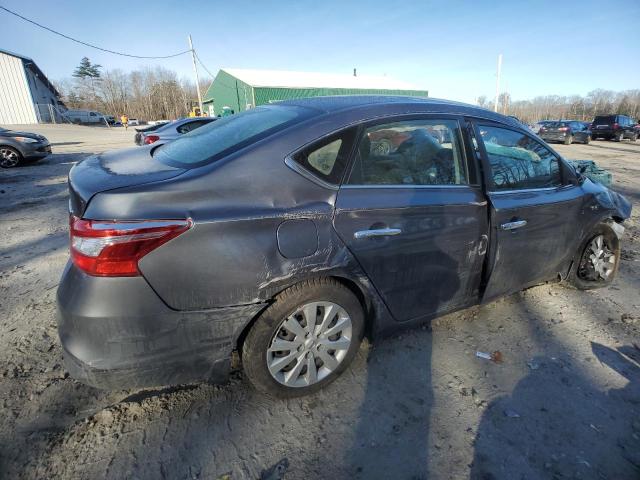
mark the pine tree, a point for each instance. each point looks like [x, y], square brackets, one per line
[87, 70]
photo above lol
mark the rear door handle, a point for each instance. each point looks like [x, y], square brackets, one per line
[513, 225]
[379, 232]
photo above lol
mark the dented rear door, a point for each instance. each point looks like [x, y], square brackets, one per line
[415, 224]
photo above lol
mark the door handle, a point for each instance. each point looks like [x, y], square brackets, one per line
[378, 232]
[513, 225]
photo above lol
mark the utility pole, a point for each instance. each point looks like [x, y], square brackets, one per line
[195, 70]
[495, 105]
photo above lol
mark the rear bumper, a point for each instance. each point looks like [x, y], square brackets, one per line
[560, 137]
[117, 333]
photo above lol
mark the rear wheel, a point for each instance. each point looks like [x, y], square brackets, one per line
[304, 340]
[568, 140]
[9, 157]
[634, 137]
[599, 259]
[619, 137]
[587, 140]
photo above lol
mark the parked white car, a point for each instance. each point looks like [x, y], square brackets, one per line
[133, 122]
[85, 116]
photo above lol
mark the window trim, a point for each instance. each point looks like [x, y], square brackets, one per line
[488, 177]
[471, 168]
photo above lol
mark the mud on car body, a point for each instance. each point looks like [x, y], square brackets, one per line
[285, 234]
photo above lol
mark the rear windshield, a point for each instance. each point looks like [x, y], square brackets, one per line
[556, 124]
[229, 134]
[605, 119]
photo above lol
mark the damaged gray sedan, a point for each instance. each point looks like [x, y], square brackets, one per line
[290, 231]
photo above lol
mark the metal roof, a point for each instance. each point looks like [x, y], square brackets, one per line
[292, 79]
[31, 65]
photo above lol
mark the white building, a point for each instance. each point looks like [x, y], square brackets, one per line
[26, 94]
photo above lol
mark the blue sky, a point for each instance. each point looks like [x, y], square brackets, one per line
[447, 47]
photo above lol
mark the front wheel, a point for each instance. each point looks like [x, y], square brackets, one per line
[619, 137]
[9, 157]
[568, 140]
[305, 339]
[599, 260]
[587, 140]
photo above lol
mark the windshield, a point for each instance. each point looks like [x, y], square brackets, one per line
[226, 135]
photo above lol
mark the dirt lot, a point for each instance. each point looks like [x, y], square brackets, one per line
[565, 402]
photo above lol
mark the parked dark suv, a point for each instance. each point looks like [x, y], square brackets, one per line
[565, 131]
[286, 234]
[614, 127]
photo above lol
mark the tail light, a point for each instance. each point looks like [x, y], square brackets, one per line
[563, 129]
[113, 249]
[149, 139]
[616, 126]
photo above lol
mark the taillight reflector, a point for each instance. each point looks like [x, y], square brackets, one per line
[113, 249]
[149, 139]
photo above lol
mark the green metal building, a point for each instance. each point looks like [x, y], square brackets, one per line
[235, 90]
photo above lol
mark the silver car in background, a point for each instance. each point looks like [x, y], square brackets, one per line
[171, 130]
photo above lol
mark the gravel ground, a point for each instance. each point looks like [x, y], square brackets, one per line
[564, 403]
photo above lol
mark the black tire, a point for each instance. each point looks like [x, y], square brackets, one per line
[568, 140]
[256, 346]
[9, 157]
[619, 137]
[587, 140]
[634, 137]
[579, 274]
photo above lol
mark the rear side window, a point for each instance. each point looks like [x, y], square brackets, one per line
[328, 157]
[518, 161]
[187, 127]
[229, 134]
[411, 152]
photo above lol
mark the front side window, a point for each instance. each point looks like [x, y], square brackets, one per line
[411, 152]
[518, 161]
[229, 134]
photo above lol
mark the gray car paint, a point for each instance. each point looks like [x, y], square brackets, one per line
[250, 208]
[29, 151]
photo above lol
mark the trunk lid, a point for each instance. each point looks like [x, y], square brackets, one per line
[116, 169]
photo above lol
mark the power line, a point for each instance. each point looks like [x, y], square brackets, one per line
[203, 66]
[88, 44]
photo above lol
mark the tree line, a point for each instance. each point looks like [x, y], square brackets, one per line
[146, 93]
[574, 107]
[158, 93]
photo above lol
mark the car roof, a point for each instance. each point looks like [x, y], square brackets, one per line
[341, 103]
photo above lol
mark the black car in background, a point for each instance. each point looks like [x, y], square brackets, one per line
[565, 131]
[18, 147]
[614, 127]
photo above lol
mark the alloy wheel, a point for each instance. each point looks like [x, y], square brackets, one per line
[8, 158]
[598, 261]
[309, 344]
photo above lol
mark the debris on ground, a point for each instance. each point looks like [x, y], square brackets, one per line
[493, 356]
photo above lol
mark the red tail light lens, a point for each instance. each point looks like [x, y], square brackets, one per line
[149, 139]
[113, 249]
[616, 126]
[563, 129]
